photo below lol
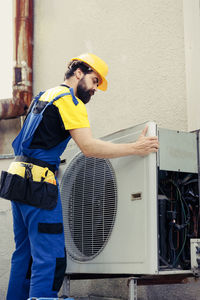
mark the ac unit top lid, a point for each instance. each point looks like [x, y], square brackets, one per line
[124, 133]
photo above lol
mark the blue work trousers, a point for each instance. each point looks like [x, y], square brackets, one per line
[38, 264]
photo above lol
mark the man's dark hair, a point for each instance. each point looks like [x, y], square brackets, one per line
[74, 65]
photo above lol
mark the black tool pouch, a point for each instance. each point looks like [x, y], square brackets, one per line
[39, 194]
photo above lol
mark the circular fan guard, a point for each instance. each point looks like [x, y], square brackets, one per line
[89, 200]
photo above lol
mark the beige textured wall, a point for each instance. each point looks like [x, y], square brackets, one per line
[192, 55]
[8, 131]
[142, 42]
[6, 237]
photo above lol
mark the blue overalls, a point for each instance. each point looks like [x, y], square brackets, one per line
[38, 264]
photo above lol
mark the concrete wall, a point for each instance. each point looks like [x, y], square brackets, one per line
[8, 131]
[192, 54]
[142, 41]
[6, 237]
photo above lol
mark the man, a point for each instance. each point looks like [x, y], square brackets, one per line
[55, 116]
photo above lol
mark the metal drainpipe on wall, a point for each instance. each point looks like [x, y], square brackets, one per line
[23, 58]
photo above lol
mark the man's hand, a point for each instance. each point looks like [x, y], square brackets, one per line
[145, 145]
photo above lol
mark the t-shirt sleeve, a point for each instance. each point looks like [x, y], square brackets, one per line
[72, 115]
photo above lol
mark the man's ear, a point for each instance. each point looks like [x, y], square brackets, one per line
[78, 73]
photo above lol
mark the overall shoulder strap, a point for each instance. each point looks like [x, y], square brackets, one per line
[58, 97]
[65, 94]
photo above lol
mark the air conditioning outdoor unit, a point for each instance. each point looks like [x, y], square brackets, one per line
[133, 215]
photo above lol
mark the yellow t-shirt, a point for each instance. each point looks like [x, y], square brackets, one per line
[64, 114]
[74, 115]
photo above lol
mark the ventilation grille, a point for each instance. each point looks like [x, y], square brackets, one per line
[89, 200]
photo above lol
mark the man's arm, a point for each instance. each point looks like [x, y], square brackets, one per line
[96, 148]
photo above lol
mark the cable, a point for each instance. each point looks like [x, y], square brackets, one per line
[186, 222]
[165, 262]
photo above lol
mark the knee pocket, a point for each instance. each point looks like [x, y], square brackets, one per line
[50, 228]
[59, 273]
[60, 267]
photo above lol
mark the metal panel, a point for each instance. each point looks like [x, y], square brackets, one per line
[195, 254]
[178, 151]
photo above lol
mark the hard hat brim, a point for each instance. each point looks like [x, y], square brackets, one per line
[103, 85]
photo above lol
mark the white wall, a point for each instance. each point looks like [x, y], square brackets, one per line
[142, 41]
[6, 237]
[192, 55]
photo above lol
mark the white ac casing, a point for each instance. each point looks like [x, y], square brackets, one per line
[132, 246]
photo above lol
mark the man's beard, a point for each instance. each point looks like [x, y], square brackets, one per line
[82, 92]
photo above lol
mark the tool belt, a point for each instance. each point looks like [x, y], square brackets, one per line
[30, 181]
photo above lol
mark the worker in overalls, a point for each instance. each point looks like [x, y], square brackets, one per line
[55, 116]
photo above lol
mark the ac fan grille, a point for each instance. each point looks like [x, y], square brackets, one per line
[89, 199]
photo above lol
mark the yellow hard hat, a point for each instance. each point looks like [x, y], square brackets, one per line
[98, 65]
